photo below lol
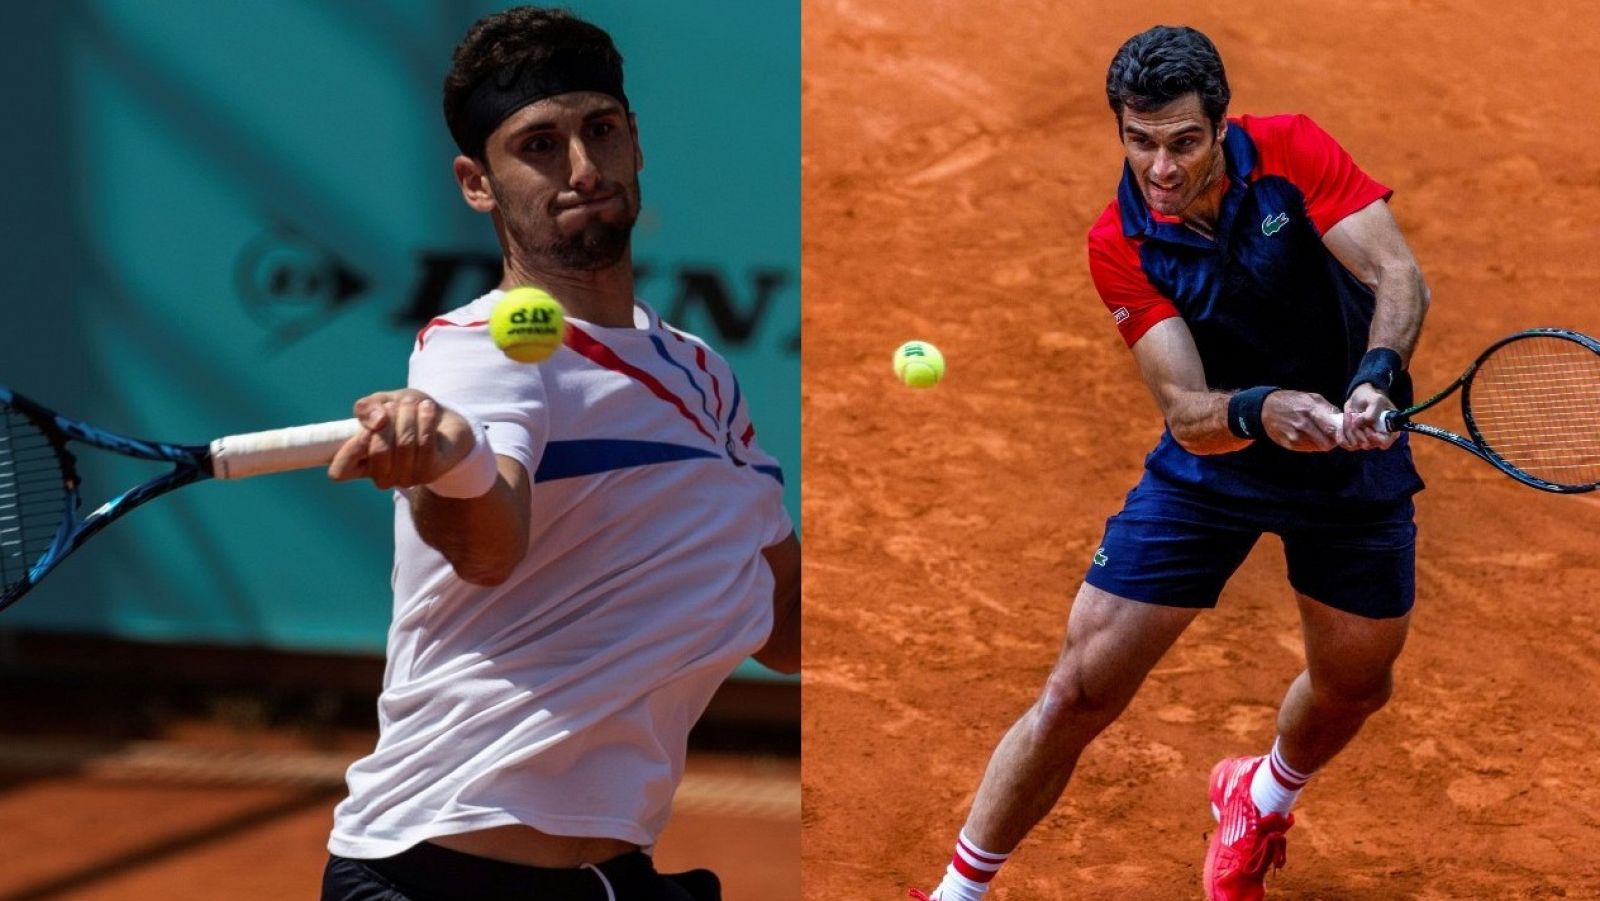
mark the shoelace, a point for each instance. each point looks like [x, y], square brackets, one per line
[1272, 850]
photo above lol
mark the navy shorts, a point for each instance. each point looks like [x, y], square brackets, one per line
[1175, 546]
[428, 872]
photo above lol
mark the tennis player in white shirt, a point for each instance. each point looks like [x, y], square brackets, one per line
[585, 548]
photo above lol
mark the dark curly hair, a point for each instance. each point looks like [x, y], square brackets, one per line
[518, 39]
[1158, 66]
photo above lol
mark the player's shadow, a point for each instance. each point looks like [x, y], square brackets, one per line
[188, 840]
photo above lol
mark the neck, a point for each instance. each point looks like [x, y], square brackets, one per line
[1203, 213]
[601, 296]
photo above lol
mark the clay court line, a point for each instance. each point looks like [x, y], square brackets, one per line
[754, 797]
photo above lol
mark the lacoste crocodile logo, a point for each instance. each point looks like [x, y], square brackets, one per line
[1271, 224]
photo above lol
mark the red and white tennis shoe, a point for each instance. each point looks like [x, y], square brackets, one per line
[1245, 844]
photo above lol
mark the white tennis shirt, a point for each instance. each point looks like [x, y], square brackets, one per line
[562, 699]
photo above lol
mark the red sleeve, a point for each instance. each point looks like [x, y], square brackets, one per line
[1134, 303]
[1298, 149]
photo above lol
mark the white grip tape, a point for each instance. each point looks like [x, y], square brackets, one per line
[475, 474]
[280, 450]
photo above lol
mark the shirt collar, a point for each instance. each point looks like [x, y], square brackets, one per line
[1138, 220]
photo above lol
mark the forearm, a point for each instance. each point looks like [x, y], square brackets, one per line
[483, 537]
[1402, 301]
[1198, 421]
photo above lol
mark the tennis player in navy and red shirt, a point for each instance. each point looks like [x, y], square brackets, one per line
[1272, 306]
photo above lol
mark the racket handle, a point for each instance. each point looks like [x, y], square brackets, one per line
[1390, 420]
[280, 450]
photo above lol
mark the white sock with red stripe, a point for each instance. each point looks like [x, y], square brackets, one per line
[1276, 784]
[971, 868]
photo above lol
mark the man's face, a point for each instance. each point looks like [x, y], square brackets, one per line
[565, 176]
[1173, 152]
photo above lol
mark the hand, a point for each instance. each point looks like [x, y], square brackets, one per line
[1302, 422]
[1361, 414]
[407, 439]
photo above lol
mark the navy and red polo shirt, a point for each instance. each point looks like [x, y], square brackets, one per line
[1266, 301]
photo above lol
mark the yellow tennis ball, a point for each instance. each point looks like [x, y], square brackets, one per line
[918, 364]
[527, 325]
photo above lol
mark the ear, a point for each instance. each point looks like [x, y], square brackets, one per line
[476, 189]
[1222, 130]
[638, 153]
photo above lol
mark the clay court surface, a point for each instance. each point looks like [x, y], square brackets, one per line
[177, 792]
[955, 155]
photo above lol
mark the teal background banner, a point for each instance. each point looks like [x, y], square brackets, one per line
[229, 217]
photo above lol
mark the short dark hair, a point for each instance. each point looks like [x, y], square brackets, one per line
[1158, 66]
[521, 39]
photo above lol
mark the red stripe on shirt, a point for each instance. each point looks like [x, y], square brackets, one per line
[422, 336]
[585, 344]
[700, 360]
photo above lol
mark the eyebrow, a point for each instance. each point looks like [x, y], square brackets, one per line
[605, 112]
[1130, 129]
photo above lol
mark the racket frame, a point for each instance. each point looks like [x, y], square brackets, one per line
[191, 463]
[1476, 445]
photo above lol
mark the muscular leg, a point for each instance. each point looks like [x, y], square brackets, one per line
[1349, 661]
[1111, 644]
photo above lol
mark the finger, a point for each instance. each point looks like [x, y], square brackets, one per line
[380, 454]
[350, 461]
[402, 466]
[1321, 427]
[1331, 420]
[1305, 439]
[1378, 439]
[428, 416]
[370, 410]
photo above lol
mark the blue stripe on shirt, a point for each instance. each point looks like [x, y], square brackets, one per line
[569, 459]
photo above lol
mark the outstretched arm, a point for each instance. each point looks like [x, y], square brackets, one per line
[409, 441]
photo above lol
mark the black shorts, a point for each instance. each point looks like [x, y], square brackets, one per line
[428, 872]
[1175, 546]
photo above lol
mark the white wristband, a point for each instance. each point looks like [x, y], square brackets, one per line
[477, 471]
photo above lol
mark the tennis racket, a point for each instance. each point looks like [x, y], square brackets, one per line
[39, 484]
[1531, 404]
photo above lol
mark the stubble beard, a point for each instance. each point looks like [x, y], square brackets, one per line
[599, 245]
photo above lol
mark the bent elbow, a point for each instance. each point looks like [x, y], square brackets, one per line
[1192, 440]
[1185, 440]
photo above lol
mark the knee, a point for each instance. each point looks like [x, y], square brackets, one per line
[1070, 707]
[1361, 698]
